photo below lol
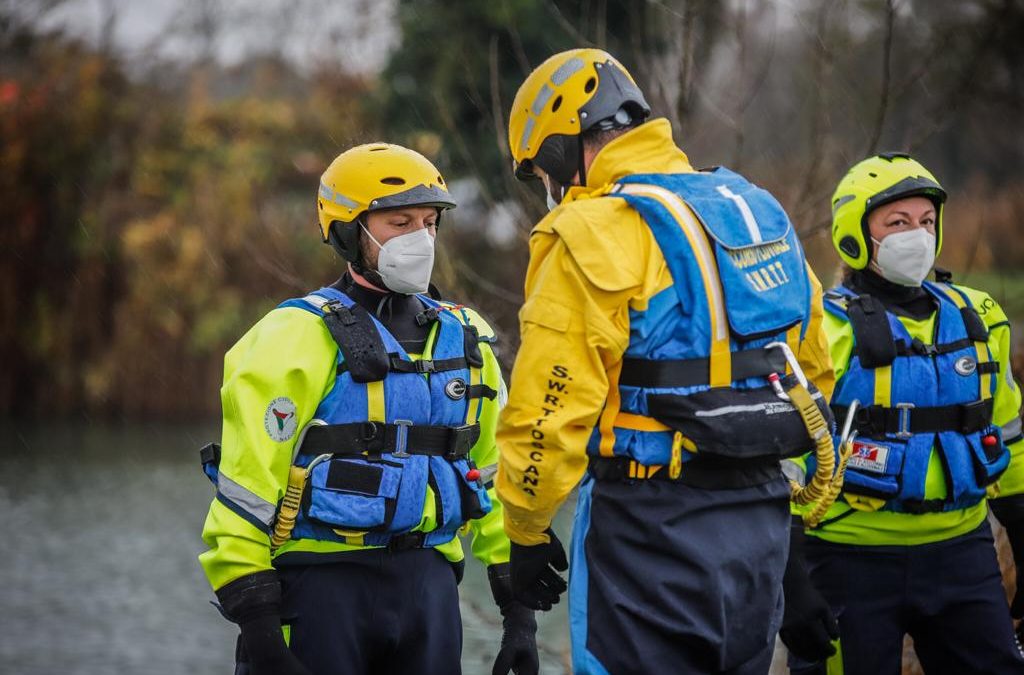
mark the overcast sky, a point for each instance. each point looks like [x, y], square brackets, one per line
[356, 33]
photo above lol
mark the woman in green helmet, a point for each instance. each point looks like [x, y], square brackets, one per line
[907, 548]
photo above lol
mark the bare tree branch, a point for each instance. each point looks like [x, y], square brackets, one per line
[497, 109]
[566, 25]
[883, 99]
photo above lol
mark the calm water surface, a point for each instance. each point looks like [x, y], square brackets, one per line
[99, 573]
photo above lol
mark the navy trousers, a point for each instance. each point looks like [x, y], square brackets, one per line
[948, 596]
[667, 578]
[374, 612]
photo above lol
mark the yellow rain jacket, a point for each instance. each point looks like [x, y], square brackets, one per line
[591, 261]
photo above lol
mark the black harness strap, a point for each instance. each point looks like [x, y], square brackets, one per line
[668, 374]
[872, 333]
[480, 391]
[877, 421]
[360, 343]
[976, 328]
[708, 473]
[374, 438]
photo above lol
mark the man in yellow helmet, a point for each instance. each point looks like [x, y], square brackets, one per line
[358, 441]
[668, 316]
[908, 548]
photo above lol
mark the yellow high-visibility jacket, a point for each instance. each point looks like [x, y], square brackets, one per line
[591, 260]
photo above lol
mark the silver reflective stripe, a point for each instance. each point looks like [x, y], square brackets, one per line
[344, 201]
[768, 408]
[543, 96]
[317, 301]
[794, 471]
[567, 70]
[748, 215]
[1012, 429]
[326, 192]
[251, 503]
[527, 130]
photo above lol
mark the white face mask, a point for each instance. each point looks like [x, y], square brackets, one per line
[406, 261]
[905, 258]
[547, 193]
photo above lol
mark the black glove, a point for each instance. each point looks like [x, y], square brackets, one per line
[519, 636]
[1010, 512]
[808, 627]
[254, 603]
[534, 569]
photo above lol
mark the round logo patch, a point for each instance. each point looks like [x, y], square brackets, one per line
[280, 420]
[455, 389]
[965, 365]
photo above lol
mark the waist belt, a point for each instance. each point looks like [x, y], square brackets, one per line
[708, 473]
[655, 374]
[399, 438]
[905, 419]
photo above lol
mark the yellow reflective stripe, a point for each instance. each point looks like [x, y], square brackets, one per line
[883, 386]
[720, 356]
[834, 664]
[981, 352]
[606, 424]
[639, 423]
[473, 409]
[375, 401]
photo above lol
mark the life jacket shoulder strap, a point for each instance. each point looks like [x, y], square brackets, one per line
[872, 333]
[359, 341]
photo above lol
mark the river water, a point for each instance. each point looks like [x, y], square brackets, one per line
[99, 573]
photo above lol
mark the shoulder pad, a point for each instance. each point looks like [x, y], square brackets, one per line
[987, 308]
[599, 236]
[471, 317]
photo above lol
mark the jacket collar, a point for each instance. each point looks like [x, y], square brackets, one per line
[648, 148]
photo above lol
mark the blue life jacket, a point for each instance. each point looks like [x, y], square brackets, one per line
[696, 367]
[391, 431]
[916, 397]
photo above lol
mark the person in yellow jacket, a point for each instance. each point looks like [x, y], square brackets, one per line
[664, 308]
[358, 442]
[907, 549]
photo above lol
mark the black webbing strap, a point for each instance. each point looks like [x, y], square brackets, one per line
[692, 372]
[976, 328]
[919, 348]
[877, 420]
[357, 438]
[210, 453]
[361, 346]
[872, 334]
[400, 365]
[480, 391]
[706, 472]
[471, 338]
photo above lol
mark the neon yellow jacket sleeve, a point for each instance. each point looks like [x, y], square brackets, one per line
[286, 354]
[1007, 398]
[490, 544]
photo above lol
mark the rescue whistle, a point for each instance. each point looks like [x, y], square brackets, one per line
[473, 475]
[989, 440]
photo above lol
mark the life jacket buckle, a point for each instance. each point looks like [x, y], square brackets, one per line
[923, 349]
[402, 438]
[426, 316]
[424, 366]
[903, 411]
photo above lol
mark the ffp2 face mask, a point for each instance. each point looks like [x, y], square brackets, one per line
[406, 262]
[905, 258]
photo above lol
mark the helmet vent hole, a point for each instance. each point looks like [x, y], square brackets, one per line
[379, 148]
[440, 180]
[557, 104]
[589, 86]
[873, 175]
[393, 180]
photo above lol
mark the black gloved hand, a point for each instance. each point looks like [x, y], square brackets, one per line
[534, 570]
[808, 626]
[254, 603]
[519, 636]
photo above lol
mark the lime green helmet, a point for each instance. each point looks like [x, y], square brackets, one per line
[875, 181]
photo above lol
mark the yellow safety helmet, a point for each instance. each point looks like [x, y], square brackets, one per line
[374, 177]
[867, 185]
[570, 93]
